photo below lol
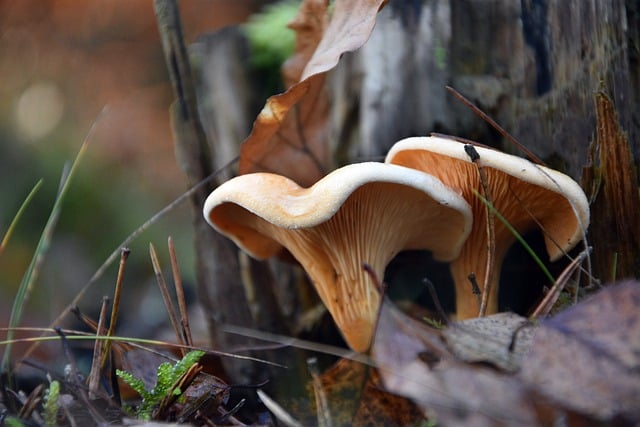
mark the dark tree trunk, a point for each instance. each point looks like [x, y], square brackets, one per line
[533, 65]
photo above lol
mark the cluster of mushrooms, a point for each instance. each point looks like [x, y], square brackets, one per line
[430, 193]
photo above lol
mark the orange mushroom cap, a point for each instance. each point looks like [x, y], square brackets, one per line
[361, 213]
[525, 194]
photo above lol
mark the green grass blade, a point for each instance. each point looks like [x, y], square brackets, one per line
[16, 218]
[517, 235]
[30, 276]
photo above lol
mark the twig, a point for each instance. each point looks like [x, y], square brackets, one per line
[191, 140]
[182, 304]
[74, 378]
[166, 296]
[322, 405]
[554, 293]
[494, 125]
[100, 350]
[491, 232]
[31, 403]
[280, 413]
[124, 254]
[436, 300]
[461, 139]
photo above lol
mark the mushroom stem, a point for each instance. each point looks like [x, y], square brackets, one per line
[332, 253]
[471, 261]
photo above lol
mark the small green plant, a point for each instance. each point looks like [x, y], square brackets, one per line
[167, 377]
[13, 422]
[51, 405]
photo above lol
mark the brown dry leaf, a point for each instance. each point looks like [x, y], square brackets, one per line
[489, 339]
[290, 135]
[414, 362]
[587, 358]
[309, 24]
[583, 364]
[350, 27]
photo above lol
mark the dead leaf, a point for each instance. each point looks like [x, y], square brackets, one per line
[489, 339]
[587, 358]
[414, 362]
[350, 27]
[310, 25]
[290, 135]
[582, 365]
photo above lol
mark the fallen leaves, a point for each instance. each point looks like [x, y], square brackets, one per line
[290, 135]
[583, 363]
[587, 358]
[491, 340]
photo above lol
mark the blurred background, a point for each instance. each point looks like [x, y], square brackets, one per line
[62, 62]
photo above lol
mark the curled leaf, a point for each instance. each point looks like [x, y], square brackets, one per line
[290, 135]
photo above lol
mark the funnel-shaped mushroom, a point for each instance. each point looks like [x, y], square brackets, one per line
[361, 213]
[526, 195]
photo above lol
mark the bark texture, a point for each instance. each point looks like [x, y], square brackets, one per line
[533, 65]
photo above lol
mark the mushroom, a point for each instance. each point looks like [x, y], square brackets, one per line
[525, 194]
[361, 213]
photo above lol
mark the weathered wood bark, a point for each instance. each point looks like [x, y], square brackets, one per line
[610, 178]
[533, 65]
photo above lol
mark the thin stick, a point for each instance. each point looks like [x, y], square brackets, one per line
[495, 125]
[552, 296]
[461, 139]
[182, 304]
[74, 378]
[436, 300]
[322, 404]
[278, 411]
[33, 400]
[100, 349]
[124, 254]
[165, 295]
[491, 231]
[89, 322]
